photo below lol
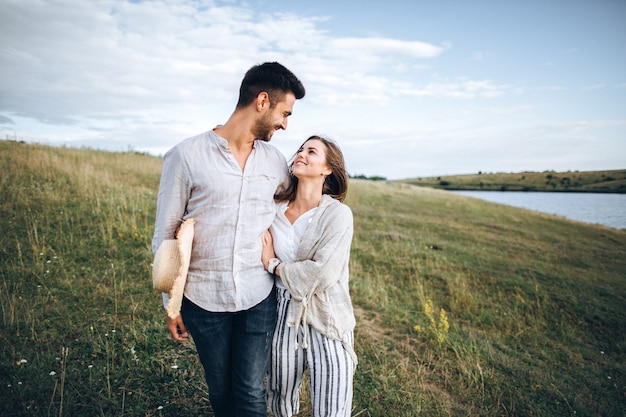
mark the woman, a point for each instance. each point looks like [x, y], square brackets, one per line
[308, 251]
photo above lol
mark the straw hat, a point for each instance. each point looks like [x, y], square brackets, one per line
[171, 264]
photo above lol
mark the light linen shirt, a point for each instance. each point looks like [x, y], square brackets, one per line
[233, 208]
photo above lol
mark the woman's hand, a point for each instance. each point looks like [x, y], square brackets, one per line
[268, 249]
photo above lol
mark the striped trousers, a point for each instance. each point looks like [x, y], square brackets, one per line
[330, 370]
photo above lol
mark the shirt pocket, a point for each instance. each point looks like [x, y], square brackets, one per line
[262, 188]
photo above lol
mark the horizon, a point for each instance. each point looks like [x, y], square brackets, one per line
[353, 175]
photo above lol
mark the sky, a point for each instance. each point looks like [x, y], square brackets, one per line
[407, 88]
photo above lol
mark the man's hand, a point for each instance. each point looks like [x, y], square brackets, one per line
[177, 328]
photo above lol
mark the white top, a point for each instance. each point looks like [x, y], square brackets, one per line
[287, 236]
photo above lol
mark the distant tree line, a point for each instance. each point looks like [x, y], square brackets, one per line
[365, 177]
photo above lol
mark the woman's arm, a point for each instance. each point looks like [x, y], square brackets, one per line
[325, 252]
[268, 249]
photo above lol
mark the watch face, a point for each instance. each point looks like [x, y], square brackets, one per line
[273, 264]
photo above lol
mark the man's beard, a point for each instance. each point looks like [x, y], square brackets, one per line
[264, 129]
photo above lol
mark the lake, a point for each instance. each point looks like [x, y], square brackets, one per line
[605, 209]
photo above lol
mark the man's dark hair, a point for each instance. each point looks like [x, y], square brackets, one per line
[272, 78]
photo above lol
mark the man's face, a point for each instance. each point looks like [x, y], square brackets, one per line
[274, 118]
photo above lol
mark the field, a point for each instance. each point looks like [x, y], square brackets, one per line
[464, 307]
[611, 181]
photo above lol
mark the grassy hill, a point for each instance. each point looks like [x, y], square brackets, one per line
[611, 181]
[463, 307]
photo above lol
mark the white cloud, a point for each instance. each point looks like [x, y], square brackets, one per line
[118, 74]
[4, 120]
[460, 89]
[594, 87]
[106, 65]
[379, 48]
[478, 56]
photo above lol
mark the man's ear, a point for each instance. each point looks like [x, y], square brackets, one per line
[262, 101]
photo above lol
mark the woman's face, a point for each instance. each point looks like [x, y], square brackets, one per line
[310, 161]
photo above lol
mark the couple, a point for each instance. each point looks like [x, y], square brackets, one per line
[268, 272]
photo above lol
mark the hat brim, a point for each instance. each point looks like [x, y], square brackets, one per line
[171, 265]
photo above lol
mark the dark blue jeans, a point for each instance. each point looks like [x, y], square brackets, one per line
[234, 349]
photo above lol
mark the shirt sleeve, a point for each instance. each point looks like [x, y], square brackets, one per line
[174, 192]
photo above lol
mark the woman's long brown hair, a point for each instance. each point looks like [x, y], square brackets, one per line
[335, 184]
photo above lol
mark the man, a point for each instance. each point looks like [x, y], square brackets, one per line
[225, 179]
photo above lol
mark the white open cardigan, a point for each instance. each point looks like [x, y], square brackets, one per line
[318, 279]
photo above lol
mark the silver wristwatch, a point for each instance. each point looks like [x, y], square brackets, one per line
[273, 263]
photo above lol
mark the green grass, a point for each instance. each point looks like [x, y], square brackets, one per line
[611, 181]
[535, 303]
